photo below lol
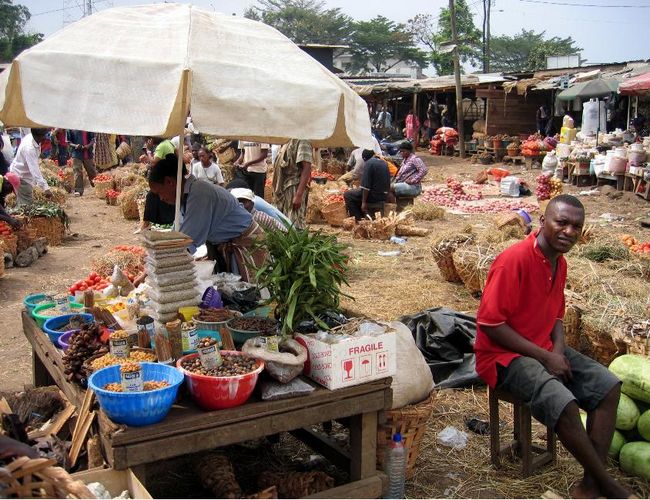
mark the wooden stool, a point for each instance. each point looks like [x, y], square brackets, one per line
[522, 443]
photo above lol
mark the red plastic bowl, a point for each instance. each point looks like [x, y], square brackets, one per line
[217, 393]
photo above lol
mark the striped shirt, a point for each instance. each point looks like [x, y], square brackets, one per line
[412, 171]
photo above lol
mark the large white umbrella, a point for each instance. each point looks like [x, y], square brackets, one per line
[140, 70]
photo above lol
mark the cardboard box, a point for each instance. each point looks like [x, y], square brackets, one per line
[115, 481]
[351, 362]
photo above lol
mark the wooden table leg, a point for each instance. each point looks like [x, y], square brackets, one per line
[363, 441]
[40, 376]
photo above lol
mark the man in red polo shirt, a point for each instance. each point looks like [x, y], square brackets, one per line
[520, 346]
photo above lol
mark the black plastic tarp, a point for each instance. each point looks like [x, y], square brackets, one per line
[445, 338]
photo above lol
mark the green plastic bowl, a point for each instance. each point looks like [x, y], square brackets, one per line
[41, 319]
[241, 336]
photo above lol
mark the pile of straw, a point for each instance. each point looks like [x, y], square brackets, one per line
[473, 262]
[59, 196]
[427, 211]
[127, 261]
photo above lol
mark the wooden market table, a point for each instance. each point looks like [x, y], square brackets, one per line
[187, 429]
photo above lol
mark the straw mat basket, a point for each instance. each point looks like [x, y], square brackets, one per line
[50, 228]
[101, 187]
[635, 338]
[599, 343]
[411, 422]
[268, 193]
[572, 319]
[38, 478]
[335, 213]
[443, 252]
[10, 244]
[2, 260]
[26, 236]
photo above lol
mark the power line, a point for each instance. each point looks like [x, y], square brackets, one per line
[588, 4]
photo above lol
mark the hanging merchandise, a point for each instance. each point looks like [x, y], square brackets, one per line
[593, 117]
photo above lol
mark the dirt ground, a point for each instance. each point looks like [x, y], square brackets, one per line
[382, 287]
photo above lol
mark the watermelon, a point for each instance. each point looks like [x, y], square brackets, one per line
[635, 459]
[618, 440]
[644, 425]
[634, 371]
[627, 414]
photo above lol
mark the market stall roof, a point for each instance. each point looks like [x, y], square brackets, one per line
[138, 70]
[600, 87]
[638, 85]
[426, 84]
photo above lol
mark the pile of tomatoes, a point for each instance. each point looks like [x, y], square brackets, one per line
[636, 246]
[5, 229]
[317, 174]
[134, 249]
[103, 178]
[93, 282]
[111, 193]
[334, 198]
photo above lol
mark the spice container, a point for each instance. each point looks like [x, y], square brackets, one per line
[131, 377]
[209, 354]
[89, 300]
[119, 344]
[175, 335]
[190, 336]
[146, 331]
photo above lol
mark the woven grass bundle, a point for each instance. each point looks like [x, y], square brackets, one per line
[472, 263]
[443, 249]
[58, 196]
[127, 261]
[296, 484]
[102, 187]
[427, 211]
[218, 476]
[10, 244]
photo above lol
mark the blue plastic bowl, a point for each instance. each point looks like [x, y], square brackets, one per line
[137, 408]
[52, 324]
[33, 300]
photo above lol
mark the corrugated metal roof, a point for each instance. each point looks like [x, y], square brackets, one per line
[426, 84]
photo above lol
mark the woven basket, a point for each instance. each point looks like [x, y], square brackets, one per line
[447, 268]
[26, 236]
[10, 244]
[268, 193]
[599, 344]
[635, 338]
[111, 200]
[101, 187]
[411, 422]
[2, 260]
[508, 219]
[123, 150]
[335, 213]
[39, 478]
[572, 319]
[50, 228]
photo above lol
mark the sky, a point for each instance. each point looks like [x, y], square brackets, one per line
[606, 30]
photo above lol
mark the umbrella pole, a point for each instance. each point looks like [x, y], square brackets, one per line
[181, 144]
[629, 107]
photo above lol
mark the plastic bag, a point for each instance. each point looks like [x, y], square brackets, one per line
[271, 390]
[452, 438]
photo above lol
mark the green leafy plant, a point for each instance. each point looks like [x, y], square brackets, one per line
[47, 209]
[304, 275]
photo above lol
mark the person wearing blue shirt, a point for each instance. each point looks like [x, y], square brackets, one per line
[212, 216]
[260, 203]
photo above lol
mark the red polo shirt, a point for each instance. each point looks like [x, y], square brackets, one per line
[520, 291]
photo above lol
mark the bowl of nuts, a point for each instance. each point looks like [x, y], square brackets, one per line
[248, 327]
[141, 407]
[226, 383]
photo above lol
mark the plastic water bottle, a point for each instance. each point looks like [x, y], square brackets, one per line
[396, 467]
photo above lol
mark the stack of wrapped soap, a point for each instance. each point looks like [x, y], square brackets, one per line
[170, 274]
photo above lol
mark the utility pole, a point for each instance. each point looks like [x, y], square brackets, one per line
[459, 88]
[89, 8]
[487, 38]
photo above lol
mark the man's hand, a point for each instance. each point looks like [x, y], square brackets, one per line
[558, 365]
[297, 201]
[364, 208]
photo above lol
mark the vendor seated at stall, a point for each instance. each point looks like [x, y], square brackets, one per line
[9, 183]
[520, 347]
[212, 216]
[374, 186]
[408, 182]
[247, 199]
[259, 203]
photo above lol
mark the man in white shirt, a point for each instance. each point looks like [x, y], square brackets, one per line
[206, 170]
[252, 161]
[26, 166]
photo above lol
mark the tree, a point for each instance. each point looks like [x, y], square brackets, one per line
[13, 39]
[527, 51]
[469, 36]
[381, 44]
[303, 21]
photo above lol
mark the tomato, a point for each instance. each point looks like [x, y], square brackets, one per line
[92, 275]
[83, 288]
